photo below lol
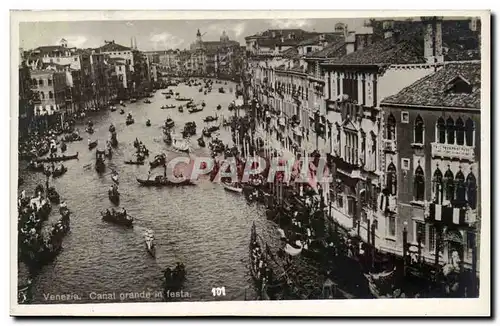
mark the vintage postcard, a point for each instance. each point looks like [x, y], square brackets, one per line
[214, 163]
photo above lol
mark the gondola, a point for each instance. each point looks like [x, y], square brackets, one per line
[133, 100]
[180, 109]
[114, 177]
[59, 172]
[159, 160]
[221, 90]
[210, 118]
[93, 144]
[89, 130]
[195, 109]
[200, 90]
[64, 147]
[36, 167]
[167, 97]
[201, 142]
[129, 121]
[112, 108]
[122, 111]
[213, 128]
[148, 123]
[119, 218]
[219, 107]
[53, 196]
[161, 181]
[146, 101]
[169, 123]
[113, 140]
[232, 187]
[206, 133]
[134, 162]
[167, 138]
[114, 196]
[174, 278]
[180, 146]
[183, 99]
[149, 239]
[112, 128]
[168, 107]
[58, 158]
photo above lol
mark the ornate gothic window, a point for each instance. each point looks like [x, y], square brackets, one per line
[392, 181]
[438, 186]
[419, 130]
[419, 184]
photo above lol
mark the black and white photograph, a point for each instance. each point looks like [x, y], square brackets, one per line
[259, 159]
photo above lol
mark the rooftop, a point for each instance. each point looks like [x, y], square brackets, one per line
[325, 37]
[456, 85]
[113, 47]
[399, 49]
[335, 50]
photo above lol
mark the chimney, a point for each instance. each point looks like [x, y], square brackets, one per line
[433, 39]
[364, 38]
[350, 42]
[388, 28]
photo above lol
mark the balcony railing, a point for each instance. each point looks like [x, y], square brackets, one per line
[461, 152]
[390, 145]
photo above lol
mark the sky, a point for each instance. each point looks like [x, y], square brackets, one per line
[161, 35]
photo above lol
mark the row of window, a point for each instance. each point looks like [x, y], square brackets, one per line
[41, 82]
[447, 132]
[50, 95]
[454, 189]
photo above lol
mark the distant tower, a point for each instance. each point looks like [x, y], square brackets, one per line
[135, 43]
[131, 42]
[198, 36]
[63, 43]
[224, 37]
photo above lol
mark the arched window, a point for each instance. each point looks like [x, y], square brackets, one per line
[441, 131]
[40, 82]
[450, 130]
[460, 131]
[419, 184]
[51, 95]
[469, 132]
[449, 186]
[419, 130]
[391, 127]
[460, 182]
[471, 190]
[34, 82]
[392, 180]
[438, 186]
[42, 95]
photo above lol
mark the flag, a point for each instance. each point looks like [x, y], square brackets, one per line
[456, 215]
[437, 213]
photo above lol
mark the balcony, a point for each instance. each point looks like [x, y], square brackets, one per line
[389, 145]
[448, 151]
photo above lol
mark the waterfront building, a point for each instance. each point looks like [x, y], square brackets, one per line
[274, 42]
[25, 96]
[432, 148]
[49, 87]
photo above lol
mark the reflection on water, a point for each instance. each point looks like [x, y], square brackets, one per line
[203, 226]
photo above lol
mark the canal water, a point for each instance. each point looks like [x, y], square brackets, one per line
[203, 226]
